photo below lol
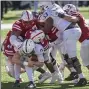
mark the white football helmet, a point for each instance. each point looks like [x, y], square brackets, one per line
[45, 4]
[70, 9]
[37, 35]
[27, 15]
[27, 46]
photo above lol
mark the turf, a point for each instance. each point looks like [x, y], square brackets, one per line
[7, 81]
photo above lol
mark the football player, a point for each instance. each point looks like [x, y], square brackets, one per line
[38, 37]
[19, 28]
[72, 10]
[54, 15]
[9, 51]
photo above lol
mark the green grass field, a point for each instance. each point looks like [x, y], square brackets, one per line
[7, 81]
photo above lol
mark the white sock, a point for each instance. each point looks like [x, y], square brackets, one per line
[72, 69]
[10, 69]
[17, 69]
[29, 72]
[81, 75]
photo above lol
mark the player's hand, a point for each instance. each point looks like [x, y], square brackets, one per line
[30, 63]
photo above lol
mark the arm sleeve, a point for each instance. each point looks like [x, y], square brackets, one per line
[14, 41]
[17, 26]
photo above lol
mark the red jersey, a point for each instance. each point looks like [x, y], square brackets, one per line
[8, 48]
[20, 26]
[51, 35]
[44, 42]
[83, 26]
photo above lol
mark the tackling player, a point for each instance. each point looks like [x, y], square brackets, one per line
[19, 28]
[70, 9]
[8, 51]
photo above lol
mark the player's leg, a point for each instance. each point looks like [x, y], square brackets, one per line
[10, 67]
[43, 76]
[71, 44]
[85, 53]
[55, 65]
[65, 59]
[29, 72]
[53, 58]
[49, 66]
[17, 68]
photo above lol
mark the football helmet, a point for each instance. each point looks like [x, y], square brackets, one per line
[27, 46]
[37, 36]
[70, 9]
[27, 16]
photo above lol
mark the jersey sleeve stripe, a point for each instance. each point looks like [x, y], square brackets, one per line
[8, 51]
[16, 25]
[17, 28]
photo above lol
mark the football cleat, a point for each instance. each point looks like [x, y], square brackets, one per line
[16, 84]
[31, 85]
[72, 76]
[81, 82]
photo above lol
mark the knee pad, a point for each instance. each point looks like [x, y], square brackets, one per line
[76, 62]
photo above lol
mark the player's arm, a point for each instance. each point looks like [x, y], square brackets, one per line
[68, 17]
[16, 31]
[38, 64]
[38, 61]
[48, 24]
[14, 38]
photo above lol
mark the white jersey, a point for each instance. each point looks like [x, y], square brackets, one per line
[59, 23]
[39, 50]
